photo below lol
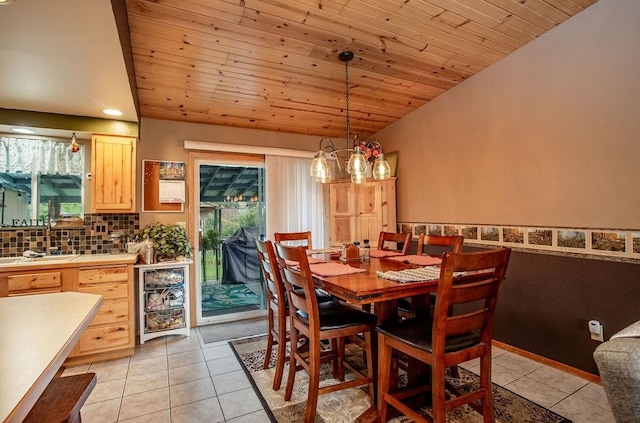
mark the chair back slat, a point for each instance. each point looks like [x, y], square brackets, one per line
[453, 241]
[466, 322]
[395, 238]
[270, 270]
[466, 293]
[294, 238]
[296, 292]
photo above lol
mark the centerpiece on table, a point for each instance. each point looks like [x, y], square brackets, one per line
[170, 241]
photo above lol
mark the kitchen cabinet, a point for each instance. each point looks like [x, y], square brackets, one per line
[163, 299]
[34, 283]
[360, 211]
[113, 173]
[113, 328]
[111, 333]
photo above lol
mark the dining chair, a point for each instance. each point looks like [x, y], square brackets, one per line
[304, 237]
[277, 309]
[333, 321]
[401, 242]
[403, 238]
[407, 306]
[450, 338]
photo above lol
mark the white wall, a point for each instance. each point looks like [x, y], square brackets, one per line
[548, 136]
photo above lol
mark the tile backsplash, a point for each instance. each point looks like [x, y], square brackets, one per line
[93, 237]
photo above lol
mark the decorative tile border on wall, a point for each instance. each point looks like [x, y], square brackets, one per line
[600, 243]
[93, 237]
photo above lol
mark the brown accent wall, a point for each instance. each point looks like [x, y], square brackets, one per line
[547, 300]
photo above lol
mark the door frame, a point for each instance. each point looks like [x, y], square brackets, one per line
[195, 158]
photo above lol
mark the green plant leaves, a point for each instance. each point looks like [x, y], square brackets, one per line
[169, 240]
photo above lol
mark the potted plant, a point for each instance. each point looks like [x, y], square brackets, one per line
[170, 241]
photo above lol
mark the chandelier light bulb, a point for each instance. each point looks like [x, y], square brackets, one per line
[381, 168]
[357, 162]
[324, 175]
[318, 164]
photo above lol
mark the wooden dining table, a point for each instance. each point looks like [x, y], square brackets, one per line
[367, 288]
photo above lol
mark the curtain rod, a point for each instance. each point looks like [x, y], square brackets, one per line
[247, 149]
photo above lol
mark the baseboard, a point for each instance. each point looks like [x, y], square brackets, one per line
[86, 359]
[546, 361]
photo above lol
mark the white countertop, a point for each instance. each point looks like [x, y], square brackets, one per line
[37, 333]
[50, 262]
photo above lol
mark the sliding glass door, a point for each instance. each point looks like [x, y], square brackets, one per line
[229, 214]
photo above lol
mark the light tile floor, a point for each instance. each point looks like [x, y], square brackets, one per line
[179, 379]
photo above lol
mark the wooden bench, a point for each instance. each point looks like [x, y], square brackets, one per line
[62, 400]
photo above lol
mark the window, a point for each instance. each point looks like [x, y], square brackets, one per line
[34, 172]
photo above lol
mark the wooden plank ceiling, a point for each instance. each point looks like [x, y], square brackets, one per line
[273, 64]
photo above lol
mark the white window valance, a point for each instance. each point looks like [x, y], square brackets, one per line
[45, 157]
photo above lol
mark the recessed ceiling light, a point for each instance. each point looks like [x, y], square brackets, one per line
[6, 2]
[112, 112]
[22, 130]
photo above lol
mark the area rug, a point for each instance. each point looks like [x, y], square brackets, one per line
[234, 330]
[344, 406]
[217, 296]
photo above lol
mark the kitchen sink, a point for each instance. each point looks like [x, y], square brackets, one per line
[61, 258]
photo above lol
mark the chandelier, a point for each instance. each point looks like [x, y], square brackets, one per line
[357, 154]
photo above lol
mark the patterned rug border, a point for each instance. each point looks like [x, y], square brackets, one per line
[274, 420]
[266, 407]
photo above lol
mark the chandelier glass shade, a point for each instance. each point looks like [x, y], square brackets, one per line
[381, 168]
[357, 166]
[320, 168]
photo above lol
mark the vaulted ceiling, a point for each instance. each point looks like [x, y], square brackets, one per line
[265, 64]
[273, 64]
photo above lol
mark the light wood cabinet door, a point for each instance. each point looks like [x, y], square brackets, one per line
[361, 211]
[368, 212]
[113, 328]
[98, 339]
[34, 283]
[343, 213]
[113, 172]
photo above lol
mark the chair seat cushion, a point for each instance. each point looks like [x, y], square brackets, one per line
[321, 296]
[417, 333]
[336, 315]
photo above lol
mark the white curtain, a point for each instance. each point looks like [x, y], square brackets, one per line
[294, 200]
[45, 157]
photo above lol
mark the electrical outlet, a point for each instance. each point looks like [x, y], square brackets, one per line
[100, 228]
[596, 330]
